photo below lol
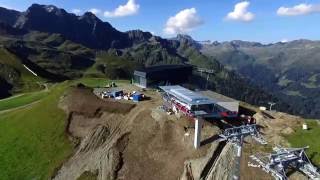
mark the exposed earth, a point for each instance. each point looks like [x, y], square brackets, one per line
[119, 139]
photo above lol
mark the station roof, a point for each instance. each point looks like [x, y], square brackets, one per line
[187, 95]
[217, 97]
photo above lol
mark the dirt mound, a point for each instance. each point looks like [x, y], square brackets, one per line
[276, 127]
[157, 149]
[129, 143]
[82, 101]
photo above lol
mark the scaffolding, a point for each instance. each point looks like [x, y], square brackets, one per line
[277, 162]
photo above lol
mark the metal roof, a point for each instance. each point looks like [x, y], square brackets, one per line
[187, 95]
[218, 97]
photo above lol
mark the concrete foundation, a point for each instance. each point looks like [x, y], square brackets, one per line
[197, 132]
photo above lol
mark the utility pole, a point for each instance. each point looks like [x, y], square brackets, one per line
[271, 104]
[208, 76]
[208, 72]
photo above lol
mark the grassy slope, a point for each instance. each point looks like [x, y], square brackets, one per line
[301, 138]
[21, 100]
[33, 141]
[98, 82]
[111, 66]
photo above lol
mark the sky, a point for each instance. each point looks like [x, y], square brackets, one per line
[265, 21]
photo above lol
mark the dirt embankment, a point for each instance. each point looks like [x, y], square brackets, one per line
[82, 101]
[118, 140]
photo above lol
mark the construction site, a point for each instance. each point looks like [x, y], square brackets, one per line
[125, 132]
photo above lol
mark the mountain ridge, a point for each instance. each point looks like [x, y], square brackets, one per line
[67, 45]
[290, 70]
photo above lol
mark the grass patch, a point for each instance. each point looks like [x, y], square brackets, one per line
[33, 140]
[301, 138]
[294, 93]
[99, 82]
[284, 82]
[310, 85]
[21, 100]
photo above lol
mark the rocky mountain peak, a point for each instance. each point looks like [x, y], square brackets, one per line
[138, 35]
[90, 17]
[184, 37]
[43, 9]
[8, 16]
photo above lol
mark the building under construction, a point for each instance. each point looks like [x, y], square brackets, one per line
[194, 104]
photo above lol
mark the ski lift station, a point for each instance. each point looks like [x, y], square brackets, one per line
[206, 104]
[155, 76]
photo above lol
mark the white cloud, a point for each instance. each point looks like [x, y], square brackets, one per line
[76, 11]
[183, 22]
[284, 40]
[95, 11]
[300, 9]
[128, 9]
[241, 13]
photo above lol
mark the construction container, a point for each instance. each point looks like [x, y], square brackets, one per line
[136, 97]
[117, 93]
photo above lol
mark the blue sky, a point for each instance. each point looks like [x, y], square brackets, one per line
[255, 20]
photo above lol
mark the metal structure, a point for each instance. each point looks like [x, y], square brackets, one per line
[236, 135]
[271, 104]
[208, 72]
[204, 70]
[281, 159]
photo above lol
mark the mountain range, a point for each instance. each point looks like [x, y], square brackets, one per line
[58, 45]
[289, 70]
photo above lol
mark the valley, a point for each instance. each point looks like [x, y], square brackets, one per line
[289, 70]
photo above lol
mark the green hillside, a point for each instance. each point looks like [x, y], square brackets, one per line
[21, 100]
[33, 140]
[13, 71]
[289, 70]
[303, 138]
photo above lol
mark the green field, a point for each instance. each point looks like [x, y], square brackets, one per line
[98, 82]
[33, 142]
[21, 100]
[302, 138]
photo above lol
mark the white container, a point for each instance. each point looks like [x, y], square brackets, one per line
[262, 108]
[305, 127]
